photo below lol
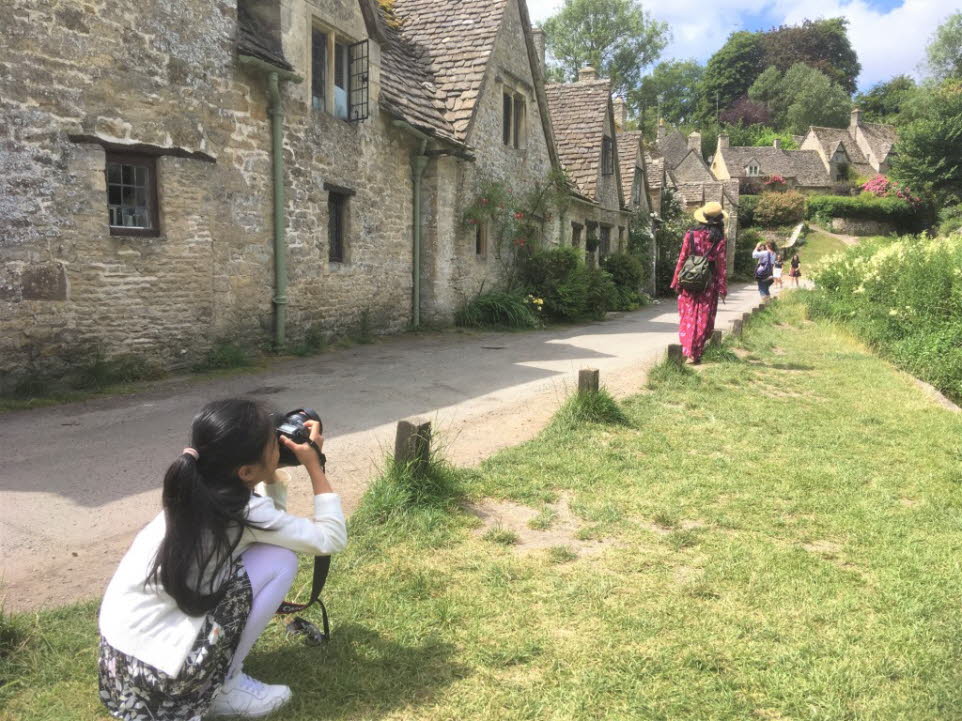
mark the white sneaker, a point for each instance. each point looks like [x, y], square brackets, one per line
[248, 697]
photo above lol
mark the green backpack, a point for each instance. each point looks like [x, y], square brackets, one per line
[696, 273]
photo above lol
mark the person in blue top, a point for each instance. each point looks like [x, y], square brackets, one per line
[765, 253]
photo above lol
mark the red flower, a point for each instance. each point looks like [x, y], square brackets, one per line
[518, 216]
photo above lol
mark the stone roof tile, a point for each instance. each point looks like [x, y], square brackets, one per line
[578, 112]
[255, 38]
[629, 145]
[803, 165]
[673, 148]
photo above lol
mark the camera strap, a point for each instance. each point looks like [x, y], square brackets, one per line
[322, 565]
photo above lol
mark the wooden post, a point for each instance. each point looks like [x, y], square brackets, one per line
[736, 328]
[588, 380]
[675, 354]
[746, 316]
[412, 446]
[716, 337]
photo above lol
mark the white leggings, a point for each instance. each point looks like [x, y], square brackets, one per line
[271, 570]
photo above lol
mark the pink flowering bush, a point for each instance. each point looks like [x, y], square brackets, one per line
[882, 187]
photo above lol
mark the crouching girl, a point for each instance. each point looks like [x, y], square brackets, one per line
[202, 580]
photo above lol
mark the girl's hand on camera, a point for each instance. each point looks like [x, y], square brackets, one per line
[304, 452]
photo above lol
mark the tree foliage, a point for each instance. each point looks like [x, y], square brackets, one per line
[669, 92]
[801, 97]
[820, 44]
[930, 145]
[745, 111]
[884, 102]
[730, 72]
[945, 50]
[616, 37]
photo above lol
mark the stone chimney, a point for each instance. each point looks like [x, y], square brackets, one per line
[856, 119]
[537, 35]
[694, 141]
[722, 141]
[662, 131]
[777, 144]
[621, 113]
[587, 73]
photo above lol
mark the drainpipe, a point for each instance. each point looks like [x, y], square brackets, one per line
[276, 111]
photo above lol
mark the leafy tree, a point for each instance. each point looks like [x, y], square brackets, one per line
[730, 72]
[616, 37]
[929, 154]
[801, 97]
[821, 44]
[945, 50]
[746, 112]
[884, 102]
[670, 91]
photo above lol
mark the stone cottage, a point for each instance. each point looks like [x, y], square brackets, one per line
[582, 116]
[174, 173]
[865, 148]
[751, 166]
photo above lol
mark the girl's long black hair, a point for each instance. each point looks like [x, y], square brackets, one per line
[716, 230]
[205, 502]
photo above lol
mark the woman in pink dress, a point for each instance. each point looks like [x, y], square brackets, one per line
[697, 310]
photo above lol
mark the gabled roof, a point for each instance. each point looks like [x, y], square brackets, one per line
[408, 91]
[578, 112]
[803, 165]
[255, 38]
[829, 138]
[629, 152]
[453, 40]
[880, 138]
[673, 148]
[693, 169]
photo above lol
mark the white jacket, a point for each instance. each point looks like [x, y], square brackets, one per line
[143, 621]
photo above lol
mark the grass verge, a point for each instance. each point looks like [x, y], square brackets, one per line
[774, 536]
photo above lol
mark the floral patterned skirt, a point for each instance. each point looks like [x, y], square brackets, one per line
[134, 691]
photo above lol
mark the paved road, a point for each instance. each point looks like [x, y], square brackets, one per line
[79, 480]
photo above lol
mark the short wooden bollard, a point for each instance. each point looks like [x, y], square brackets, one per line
[746, 316]
[412, 447]
[736, 328]
[716, 337]
[588, 380]
[675, 354]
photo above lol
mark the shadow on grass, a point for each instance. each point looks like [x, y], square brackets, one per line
[358, 674]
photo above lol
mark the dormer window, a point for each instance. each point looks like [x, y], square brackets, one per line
[753, 170]
[339, 75]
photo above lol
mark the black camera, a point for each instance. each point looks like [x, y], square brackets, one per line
[292, 425]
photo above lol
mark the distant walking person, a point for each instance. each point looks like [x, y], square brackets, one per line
[795, 271]
[700, 278]
[765, 270]
[777, 271]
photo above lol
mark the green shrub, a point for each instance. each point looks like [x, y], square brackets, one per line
[560, 278]
[744, 263]
[602, 294]
[901, 213]
[950, 219]
[775, 209]
[497, 309]
[904, 297]
[95, 371]
[746, 210]
[224, 354]
[628, 274]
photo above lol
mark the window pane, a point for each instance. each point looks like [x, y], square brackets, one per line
[128, 174]
[518, 118]
[113, 172]
[140, 175]
[113, 195]
[506, 119]
[318, 69]
[341, 82]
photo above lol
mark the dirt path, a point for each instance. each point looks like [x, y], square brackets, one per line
[78, 481]
[847, 239]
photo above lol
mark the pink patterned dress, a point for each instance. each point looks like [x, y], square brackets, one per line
[697, 310]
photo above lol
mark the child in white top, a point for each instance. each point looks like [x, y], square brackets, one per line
[201, 581]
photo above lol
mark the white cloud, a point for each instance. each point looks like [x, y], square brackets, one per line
[887, 42]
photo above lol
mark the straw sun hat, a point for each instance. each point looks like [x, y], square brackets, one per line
[710, 213]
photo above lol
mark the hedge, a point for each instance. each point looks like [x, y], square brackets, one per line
[746, 210]
[899, 212]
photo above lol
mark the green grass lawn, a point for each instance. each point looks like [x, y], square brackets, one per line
[774, 537]
[817, 246]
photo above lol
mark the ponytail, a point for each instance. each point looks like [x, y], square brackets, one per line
[205, 503]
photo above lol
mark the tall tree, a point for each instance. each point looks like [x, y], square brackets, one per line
[884, 101]
[821, 44]
[616, 37]
[945, 50]
[801, 97]
[670, 91]
[929, 154]
[730, 72]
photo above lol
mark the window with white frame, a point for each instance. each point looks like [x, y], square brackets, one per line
[753, 169]
[132, 206]
[339, 75]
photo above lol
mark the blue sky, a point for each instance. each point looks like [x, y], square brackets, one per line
[889, 35]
